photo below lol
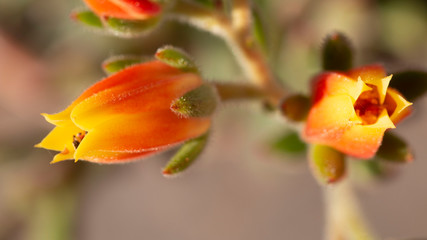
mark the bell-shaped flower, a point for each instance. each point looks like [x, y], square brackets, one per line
[351, 111]
[125, 9]
[126, 116]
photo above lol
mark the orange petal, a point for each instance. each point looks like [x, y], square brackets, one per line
[114, 157]
[363, 141]
[124, 9]
[141, 93]
[332, 83]
[141, 132]
[367, 73]
[329, 118]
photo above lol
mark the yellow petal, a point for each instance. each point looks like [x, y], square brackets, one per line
[401, 104]
[60, 137]
[66, 154]
[383, 121]
[381, 84]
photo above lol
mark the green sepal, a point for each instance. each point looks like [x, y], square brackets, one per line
[290, 143]
[412, 84]
[130, 28]
[87, 18]
[199, 102]
[118, 63]
[185, 156]
[337, 53]
[295, 107]
[327, 164]
[394, 149]
[176, 58]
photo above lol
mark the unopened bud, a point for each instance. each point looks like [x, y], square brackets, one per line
[337, 54]
[327, 164]
[296, 107]
[185, 155]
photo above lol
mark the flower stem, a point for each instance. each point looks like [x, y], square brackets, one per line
[234, 91]
[236, 32]
[344, 219]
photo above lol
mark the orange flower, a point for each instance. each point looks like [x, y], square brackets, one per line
[125, 9]
[125, 116]
[352, 110]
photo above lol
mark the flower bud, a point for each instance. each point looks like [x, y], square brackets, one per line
[295, 107]
[337, 53]
[327, 164]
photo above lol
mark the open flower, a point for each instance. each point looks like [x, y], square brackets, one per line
[126, 116]
[125, 9]
[352, 110]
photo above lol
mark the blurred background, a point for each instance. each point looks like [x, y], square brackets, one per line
[239, 188]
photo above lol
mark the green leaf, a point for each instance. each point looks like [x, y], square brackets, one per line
[88, 18]
[394, 149]
[412, 84]
[208, 3]
[186, 155]
[290, 143]
[200, 102]
[176, 58]
[130, 28]
[327, 164]
[337, 53]
[118, 63]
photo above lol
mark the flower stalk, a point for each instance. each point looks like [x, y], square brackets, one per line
[343, 216]
[236, 32]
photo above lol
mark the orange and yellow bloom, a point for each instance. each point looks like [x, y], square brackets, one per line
[352, 110]
[126, 116]
[125, 9]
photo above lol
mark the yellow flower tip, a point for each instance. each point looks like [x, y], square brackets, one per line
[383, 121]
[66, 154]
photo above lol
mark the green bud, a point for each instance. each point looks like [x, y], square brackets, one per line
[130, 28]
[394, 149]
[337, 54]
[176, 58]
[412, 84]
[327, 164]
[88, 18]
[290, 143]
[185, 155]
[296, 107]
[118, 63]
[200, 102]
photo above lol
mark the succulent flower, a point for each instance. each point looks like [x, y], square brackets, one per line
[127, 115]
[352, 110]
[125, 9]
